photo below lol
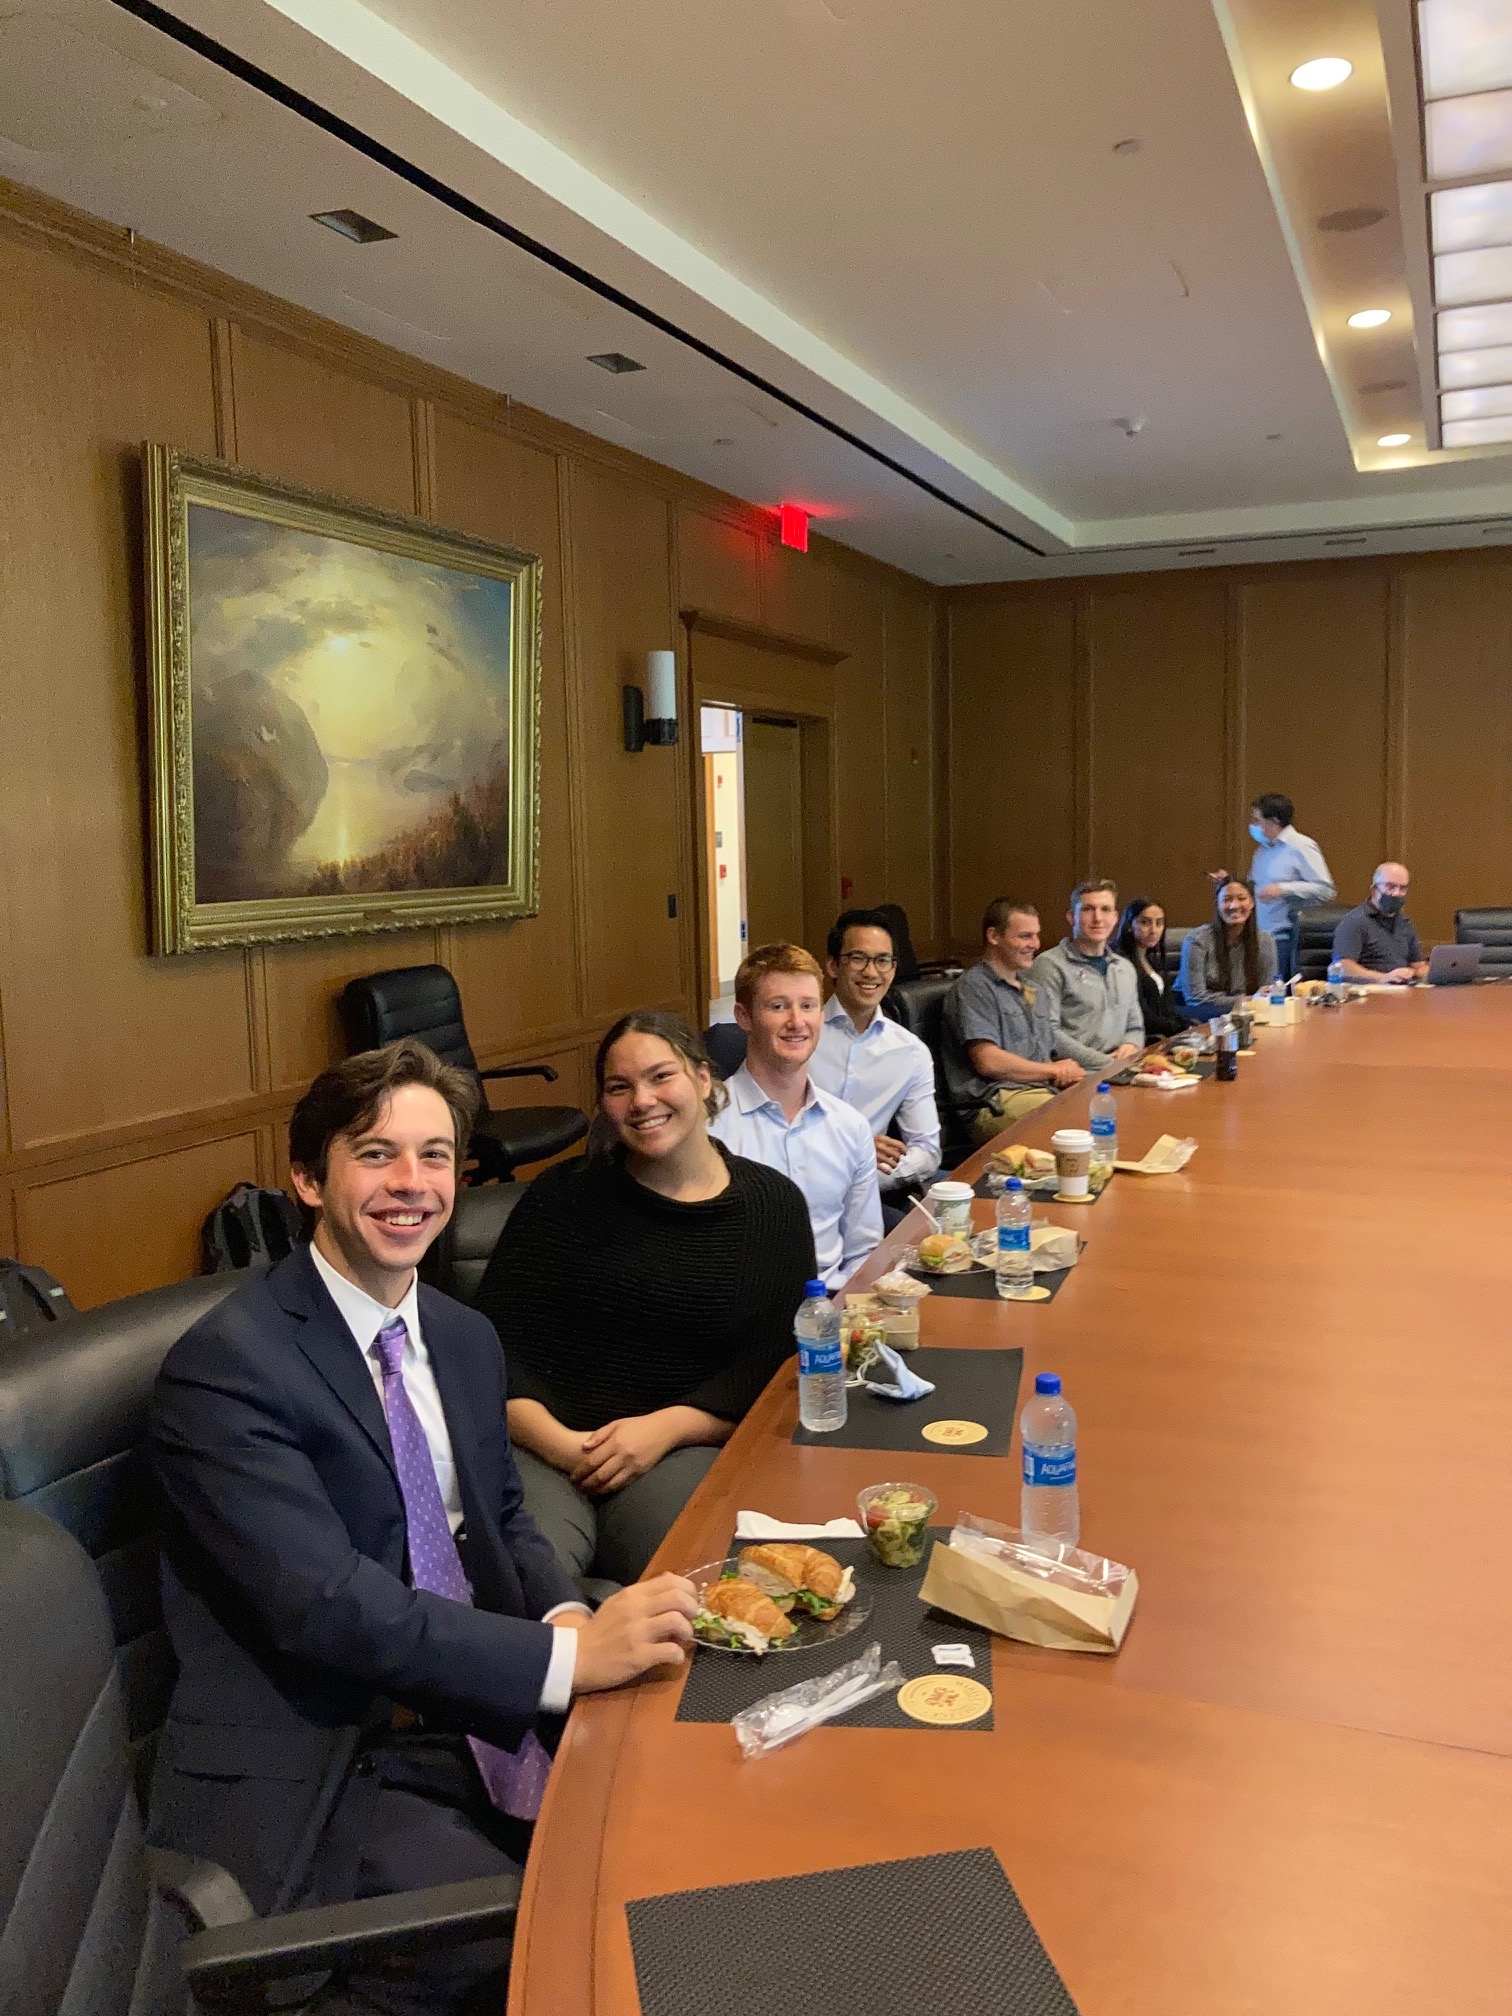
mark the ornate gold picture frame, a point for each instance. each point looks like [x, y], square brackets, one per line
[344, 715]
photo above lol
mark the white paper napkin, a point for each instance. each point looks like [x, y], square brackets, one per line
[760, 1526]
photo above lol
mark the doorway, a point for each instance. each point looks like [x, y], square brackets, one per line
[774, 830]
[721, 744]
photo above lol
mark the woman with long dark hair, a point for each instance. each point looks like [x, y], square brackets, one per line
[645, 1295]
[1142, 941]
[1229, 958]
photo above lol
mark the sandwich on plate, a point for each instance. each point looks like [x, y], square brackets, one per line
[797, 1577]
[737, 1614]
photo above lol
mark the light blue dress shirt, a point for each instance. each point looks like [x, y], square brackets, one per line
[1296, 865]
[886, 1073]
[827, 1151]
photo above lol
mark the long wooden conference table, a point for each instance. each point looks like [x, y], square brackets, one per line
[1290, 1791]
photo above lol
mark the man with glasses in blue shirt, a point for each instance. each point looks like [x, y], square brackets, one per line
[872, 1062]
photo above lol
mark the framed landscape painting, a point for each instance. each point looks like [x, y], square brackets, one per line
[345, 715]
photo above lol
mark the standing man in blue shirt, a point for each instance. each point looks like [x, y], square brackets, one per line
[1288, 872]
[873, 1063]
[777, 1115]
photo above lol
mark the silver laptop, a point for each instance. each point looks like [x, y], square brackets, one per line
[1453, 965]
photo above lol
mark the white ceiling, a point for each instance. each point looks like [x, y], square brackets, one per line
[906, 214]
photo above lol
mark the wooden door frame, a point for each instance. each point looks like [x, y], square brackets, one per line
[817, 744]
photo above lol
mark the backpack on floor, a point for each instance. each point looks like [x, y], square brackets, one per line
[250, 1228]
[30, 1299]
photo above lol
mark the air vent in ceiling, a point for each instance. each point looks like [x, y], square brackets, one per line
[1194, 552]
[352, 224]
[1383, 385]
[616, 362]
[1359, 219]
[1347, 539]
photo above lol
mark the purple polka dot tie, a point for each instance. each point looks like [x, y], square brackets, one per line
[515, 1779]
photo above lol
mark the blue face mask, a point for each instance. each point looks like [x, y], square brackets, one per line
[1256, 831]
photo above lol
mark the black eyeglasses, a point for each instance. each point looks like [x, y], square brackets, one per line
[859, 961]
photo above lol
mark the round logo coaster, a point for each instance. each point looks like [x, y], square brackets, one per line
[954, 1434]
[944, 1699]
[1035, 1294]
[1059, 1199]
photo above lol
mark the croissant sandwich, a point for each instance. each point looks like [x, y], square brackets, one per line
[736, 1611]
[798, 1577]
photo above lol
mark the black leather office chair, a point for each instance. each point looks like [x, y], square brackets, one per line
[1491, 929]
[423, 1001]
[92, 1923]
[1315, 931]
[73, 1420]
[909, 966]
[456, 1262]
[726, 1045]
[919, 1005]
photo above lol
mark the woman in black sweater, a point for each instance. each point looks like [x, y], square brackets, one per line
[644, 1296]
[1141, 938]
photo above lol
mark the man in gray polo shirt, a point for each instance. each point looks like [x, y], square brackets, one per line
[1379, 941]
[998, 1048]
[1092, 993]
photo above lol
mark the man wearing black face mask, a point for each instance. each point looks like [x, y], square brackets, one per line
[1379, 941]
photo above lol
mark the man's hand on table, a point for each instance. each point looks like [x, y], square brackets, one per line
[889, 1152]
[642, 1628]
[1124, 1052]
[1062, 1072]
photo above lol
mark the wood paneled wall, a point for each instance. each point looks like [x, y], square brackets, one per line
[1122, 727]
[138, 1090]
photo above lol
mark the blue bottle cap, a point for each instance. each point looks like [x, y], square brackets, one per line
[812, 1288]
[1047, 1382]
[1013, 1183]
[1105, 1086]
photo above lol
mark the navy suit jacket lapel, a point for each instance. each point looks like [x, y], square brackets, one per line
[324, 1338]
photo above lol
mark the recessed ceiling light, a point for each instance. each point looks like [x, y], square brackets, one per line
[1323, 73]
[1369, 318]
[353, 225]
[1393, 441]
[616, 362]
[1360, 218]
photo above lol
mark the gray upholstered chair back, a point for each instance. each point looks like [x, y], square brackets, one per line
[73, 1424]
[79, 1936]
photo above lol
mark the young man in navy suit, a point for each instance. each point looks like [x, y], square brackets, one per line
[369, 1626]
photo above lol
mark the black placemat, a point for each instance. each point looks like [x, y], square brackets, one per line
[969, 1386]
[944, 1934]
[1203, 1068]
[980, 1189]
[720, 1684]
[981, 1283]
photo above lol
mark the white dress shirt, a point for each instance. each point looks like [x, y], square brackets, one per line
[883, 1071]
[365, 1317]
[828, 1152]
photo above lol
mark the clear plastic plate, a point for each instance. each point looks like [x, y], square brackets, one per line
[808, 1632]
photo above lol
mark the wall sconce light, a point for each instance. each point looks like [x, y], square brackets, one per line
[652, 717]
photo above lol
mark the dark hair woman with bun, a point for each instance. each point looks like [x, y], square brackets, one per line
[1142, 941]
[645, 1295]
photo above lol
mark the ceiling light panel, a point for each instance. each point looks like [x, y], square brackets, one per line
[1485, 403]
[1476, 433]
[1323, 73]
[1466, 219]
[1370, 318]
[1475, 367]
[1475, 328]
[1465, 279]
[1469, 136]
[1466, 46]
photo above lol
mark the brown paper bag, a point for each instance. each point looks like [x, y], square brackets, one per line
[1164, 1157]
[1002, 1595]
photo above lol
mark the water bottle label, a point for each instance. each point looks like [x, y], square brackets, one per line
[1013, 1238]
[1049, 1466]
[820, 1357]
[1104, 1129]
